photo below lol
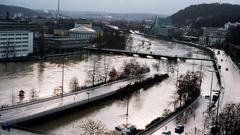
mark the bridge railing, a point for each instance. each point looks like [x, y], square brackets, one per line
[43, 99]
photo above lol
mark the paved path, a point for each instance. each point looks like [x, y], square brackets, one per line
[27, 112]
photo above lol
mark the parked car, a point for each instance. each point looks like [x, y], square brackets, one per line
[166, 133]
[179, 129]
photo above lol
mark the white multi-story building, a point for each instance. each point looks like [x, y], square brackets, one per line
[15, 44]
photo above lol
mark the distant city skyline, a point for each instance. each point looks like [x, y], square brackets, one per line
[114, 6]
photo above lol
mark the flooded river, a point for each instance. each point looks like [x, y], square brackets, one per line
[144, 106]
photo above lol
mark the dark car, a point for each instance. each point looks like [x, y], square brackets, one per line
[166, 133]
[4, 126]
[179, 129]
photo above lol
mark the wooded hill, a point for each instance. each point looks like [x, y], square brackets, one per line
[207, 15]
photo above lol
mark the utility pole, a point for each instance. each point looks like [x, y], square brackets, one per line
[201, 74]
[127, 111]
[210, 97]
[58, 10]
[193, 66]
[63, 74]
[12, 97]
[219, 94]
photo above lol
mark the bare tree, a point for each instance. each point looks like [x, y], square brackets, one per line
[133, 68]
[57, 91]
[91, 127]
[156, 65]
[166, 112]
[113, 74]
[21, 94]
[195, 131]
[106, 69]
[228, 121]
[73, 84]
[33, 94]
[94, 72]
[189, 87]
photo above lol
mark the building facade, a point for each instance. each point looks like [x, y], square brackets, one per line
[83, 22]
[64, 45]
[213, 36]
[82, 33]
[15, 44]
[163, 27]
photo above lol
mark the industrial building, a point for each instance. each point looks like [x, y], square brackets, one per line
[15, 44]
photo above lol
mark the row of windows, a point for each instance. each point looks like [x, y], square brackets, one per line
[17, 34]
[17, 46]
[21, 50]
[17, 38]
[16, 42]
[13, 54]
[82, 36]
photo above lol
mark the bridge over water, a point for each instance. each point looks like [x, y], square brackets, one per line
[143, 55]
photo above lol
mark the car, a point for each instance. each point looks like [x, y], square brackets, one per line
[4, 125]
[166, 133]
[179, 129]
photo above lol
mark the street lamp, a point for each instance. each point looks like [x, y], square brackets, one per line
[63, 73]
[88, 95]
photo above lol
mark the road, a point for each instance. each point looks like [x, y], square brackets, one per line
[230, 94]
[230, 79]
[23, 113]
[15, 131]
[169, 119]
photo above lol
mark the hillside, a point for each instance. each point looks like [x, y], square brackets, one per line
[207, 15]
[14, 9]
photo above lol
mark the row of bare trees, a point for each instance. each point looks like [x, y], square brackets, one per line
[99, 73]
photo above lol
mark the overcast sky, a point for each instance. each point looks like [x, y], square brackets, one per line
[117, 6]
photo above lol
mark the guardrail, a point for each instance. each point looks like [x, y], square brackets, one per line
[151, 129]
[35, 101]
[65, 107]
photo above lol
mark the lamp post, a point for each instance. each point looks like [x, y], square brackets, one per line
[63, 74]
[88, 95]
